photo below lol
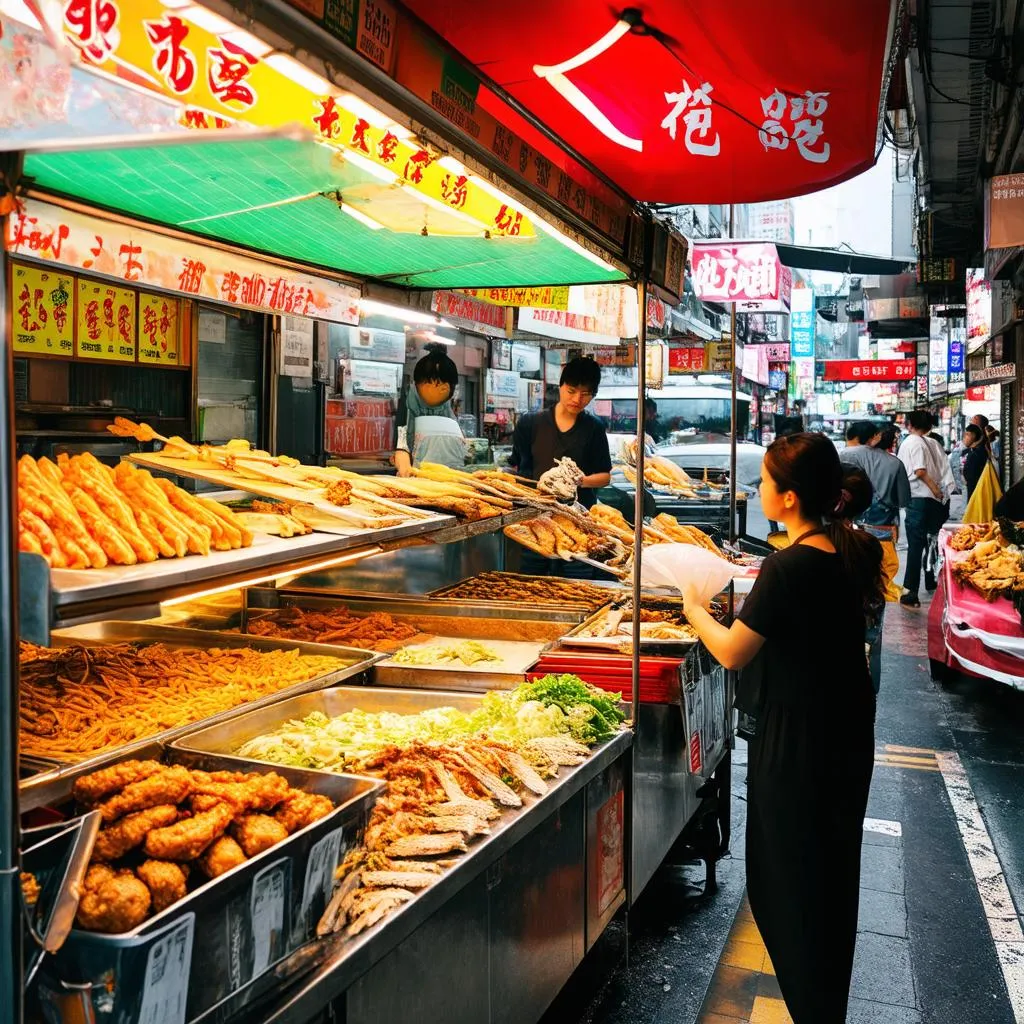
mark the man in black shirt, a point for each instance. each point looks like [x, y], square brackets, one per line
[566, 431]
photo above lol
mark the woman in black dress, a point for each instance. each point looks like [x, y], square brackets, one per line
[799, 640]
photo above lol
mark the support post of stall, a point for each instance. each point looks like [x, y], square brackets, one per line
[11, 931]
[638, 505]
[734, 419]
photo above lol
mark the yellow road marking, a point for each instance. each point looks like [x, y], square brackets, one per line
[892, 748]
[896, 759]
[769, 1011]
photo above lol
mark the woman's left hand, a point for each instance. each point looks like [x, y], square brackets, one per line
[691, 598]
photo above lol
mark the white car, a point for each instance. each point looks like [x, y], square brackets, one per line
[714, 457]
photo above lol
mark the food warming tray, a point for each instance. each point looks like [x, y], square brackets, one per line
[209, 955]
[516, 660]
[112, 632]
[576, 637]
[449, 593]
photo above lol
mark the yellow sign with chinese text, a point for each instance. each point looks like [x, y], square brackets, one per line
[537, 297]
[221, 81]
[107, 322]
[42, 304]
[159, 330]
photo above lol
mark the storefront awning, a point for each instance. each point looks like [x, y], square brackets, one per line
[679, 102]
[294, 199]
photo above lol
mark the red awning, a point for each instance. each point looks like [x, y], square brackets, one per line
[735, 102]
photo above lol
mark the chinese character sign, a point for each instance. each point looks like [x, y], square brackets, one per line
[687, 360]
[801, 323]
[867, 370]
[159, 335]
[740, 272]
[1004, 211]
[42, 301]
[106, 322]
[979, 306]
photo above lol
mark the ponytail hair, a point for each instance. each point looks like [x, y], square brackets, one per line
[808, 465]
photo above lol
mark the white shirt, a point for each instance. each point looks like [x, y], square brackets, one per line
[918, 453]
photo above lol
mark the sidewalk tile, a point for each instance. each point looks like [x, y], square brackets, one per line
[748, 956]
[866, 1011]
[881, 869]
[717, 1018]
[770, 1011]
[732, 992]
[881, 970]
[884, 913]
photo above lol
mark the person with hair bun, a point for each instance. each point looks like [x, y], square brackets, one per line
[799, 643]
[428, 430]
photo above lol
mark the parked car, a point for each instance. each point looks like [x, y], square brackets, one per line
[714, 457]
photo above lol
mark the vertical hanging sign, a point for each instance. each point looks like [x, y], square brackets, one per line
[42, 311]
[106, 327]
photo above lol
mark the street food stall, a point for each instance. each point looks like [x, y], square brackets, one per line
[239, 784]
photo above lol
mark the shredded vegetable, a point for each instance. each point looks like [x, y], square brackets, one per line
[469, 652]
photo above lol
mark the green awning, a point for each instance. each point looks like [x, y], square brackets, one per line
[265, 195]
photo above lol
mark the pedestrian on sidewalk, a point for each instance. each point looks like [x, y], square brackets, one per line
[975, 457]
[926, 469]
[799, 641]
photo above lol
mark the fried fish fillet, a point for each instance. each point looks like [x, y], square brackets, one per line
[116, 840]
[187, 839]
[168, 786]
[92, 788]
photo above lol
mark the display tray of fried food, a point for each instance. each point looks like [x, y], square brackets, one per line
[973, 533]
[662, 529]
[561, 534]
[520, 589]
[81, 514]
[168, 830]
[660, 622]
[994, 561]
[375, 631]
[80, 701]
[488, 483]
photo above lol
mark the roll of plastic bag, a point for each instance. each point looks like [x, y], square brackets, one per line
[681, 565]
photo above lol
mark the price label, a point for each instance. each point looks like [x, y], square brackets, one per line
[165, 988]
[267, 911]
[319, 881]
[42, 320]
[107, 322]
[159, 332]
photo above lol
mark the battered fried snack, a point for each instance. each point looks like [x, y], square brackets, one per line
[90, 789]
[504, 586]
[250, 793]
[96, 876]
[221, 855]
[257, 832]
[81, 514]
[169, 786]
[118, 839]
[113, 905]
[166, 882]
[30, 889]
[77, 701]
[302, 809]
[187, 839]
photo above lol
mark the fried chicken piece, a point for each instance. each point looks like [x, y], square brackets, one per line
[187, 839]
[221, 855]
[30, 889]
[169, 786]
[92, 788]
[115, 905]
[116, 840]
[255, 793]
[165, 881]
[302, 809]
[258, 832]
[96, 876]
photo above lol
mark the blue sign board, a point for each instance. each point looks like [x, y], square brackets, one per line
[801, 324]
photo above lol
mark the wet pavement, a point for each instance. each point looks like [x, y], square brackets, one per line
[942, 880]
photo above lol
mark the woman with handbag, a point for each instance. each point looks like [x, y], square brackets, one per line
[799, 641]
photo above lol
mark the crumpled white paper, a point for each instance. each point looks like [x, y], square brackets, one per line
[680, 565]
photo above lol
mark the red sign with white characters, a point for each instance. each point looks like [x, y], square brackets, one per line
[686, 360]
[850, 370]
[739, 272]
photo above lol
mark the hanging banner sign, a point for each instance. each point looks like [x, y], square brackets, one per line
[42, 302]
[686, 360]
[778, 352]
[553, 297]
[106, 322]
[979, 308]
[1004, 211]
[849, 370]
[993, 374]
[956, 362]
[719, 356]
[741, 272]
[44, 232]
[754, 363]
[159, 330]
[473, 314]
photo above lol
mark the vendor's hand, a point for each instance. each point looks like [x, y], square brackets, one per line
[691, 597]
[404, 471]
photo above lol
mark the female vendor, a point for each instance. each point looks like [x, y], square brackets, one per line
[427, 428]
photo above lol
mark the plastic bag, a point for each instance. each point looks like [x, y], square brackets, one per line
[678, 565]
[981, 507]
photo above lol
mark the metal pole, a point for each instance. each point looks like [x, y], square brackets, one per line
[638, 505]
[11, 976]
[734, 419]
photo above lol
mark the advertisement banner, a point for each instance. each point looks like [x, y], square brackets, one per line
[687, 360]
[42, 316]
[719, 356]
[159, 330]
[741, 272]
[801, 323]
[979, 308]
[502, 384]
[106, 322]
[754, 363]
[956, 363]
[850, 370]
[540, 297]
[778, 352]
[1004, 211]
[43, 232]
[474, 314]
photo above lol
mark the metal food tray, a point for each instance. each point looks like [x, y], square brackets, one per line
[518, 659]
[112, 632]
[649, 644]
[464, 619]
[443, 594]
[229, 941]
